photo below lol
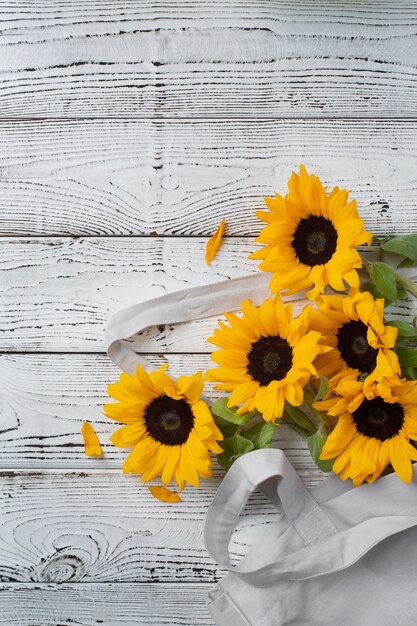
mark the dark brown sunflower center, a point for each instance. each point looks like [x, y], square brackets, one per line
[315, 240]
[270, 358]
[378, 419]
[169, 421]
[353, 345]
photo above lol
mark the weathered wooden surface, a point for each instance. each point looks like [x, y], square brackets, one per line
[119, 177]
[100, 526]
[225, 58]
[99, 213]
[59, 293]
[109, 604]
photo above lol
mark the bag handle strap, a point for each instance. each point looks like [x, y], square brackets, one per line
[270, 471]
[325, 551]
[180, 306]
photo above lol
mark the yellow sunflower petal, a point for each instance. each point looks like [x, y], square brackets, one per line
[310, 237]
[141, 457]
[172, 392]
[190, 387]
[128, 435]
[243, 392]
[160, 380]
[381, 463]
[92, 445]
[295, 394]
[187, 466]
[273, 401]
[202, 414]
[125, 415]
[339, 438]
[214, 242]
[155, 468]
[400, 460]
[171, 464]
[148, 388]
[164, 494]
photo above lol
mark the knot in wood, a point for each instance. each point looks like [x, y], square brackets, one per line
[62, 568]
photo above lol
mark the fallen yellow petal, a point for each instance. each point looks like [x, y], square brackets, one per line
[214, 242]
[164, 494]
[91, 443]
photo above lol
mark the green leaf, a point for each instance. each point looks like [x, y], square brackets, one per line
[227, 428]
[298, 429]
[406, 245]
[233, 447]
[323, 389]
[410, 373]
[266, 435]
[406, 263]
[296, 415]
[261, 435]
[406, 357]
[384, 278]
[219, 408]
[315, 445]
[376, 239]
[370, 287]
[404, 330]
[401, 294]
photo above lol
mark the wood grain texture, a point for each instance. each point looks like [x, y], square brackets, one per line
[44, 399]
[101, 526]
[261, 58]
[118, 177]
[109, 604]
[58, 294]
[206, 84]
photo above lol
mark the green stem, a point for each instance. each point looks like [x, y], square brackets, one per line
[406, 284]
[322, 419]
[305, 434]
[309, 395]
[366, 264]
[298, 416]
[254, 421]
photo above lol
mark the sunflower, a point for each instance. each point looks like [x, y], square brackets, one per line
[311, 237]
[375, 425]
[361, 344]
[171, 429]
[266, 357]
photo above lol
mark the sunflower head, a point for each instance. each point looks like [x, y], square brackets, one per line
[375, 425]
[361, 345]
[310, 238]
[171, 429]
[266, 357]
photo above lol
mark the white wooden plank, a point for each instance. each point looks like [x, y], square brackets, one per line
[45, 399]
[109, 604]
[225, 58]
[182, 177]
[57, 294]
[101, 526]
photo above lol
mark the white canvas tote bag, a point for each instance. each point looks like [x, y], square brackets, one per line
[337, 554]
